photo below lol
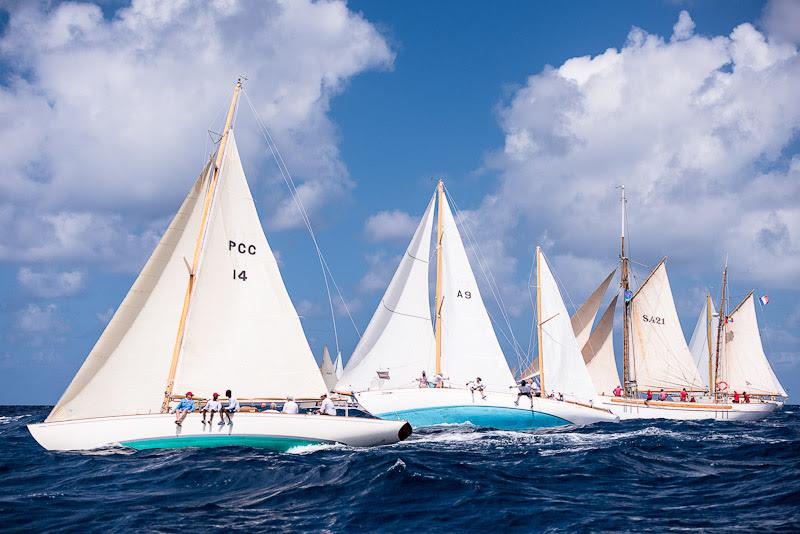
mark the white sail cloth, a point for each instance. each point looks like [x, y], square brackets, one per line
[242, 331]
[583, 318]
[598, 353]
[398, 341]
[705, 327]
[337, 366]
[563, 368]
[327, 369]
[743, 364]
[661, 358]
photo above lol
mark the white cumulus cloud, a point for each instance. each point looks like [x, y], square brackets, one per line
[50, 284]
[391, 225]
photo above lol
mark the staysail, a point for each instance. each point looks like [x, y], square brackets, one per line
[705, 330]
[469, 345]
[743, 364]
[661, 358]
[242, 331]
[583, 318]
[398, 343]
[563, 367]
[598, 353]
[327, 369]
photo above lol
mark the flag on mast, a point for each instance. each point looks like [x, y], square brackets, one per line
[764, 300]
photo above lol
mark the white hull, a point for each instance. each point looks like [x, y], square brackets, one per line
[430, 406]
[269, 430]
[688, 411]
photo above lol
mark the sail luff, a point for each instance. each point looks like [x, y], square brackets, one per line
[709, 315]
[539, 317]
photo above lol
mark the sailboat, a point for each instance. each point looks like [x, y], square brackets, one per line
[209, 311]
[656, 356]
[327, 369]
[402, 353]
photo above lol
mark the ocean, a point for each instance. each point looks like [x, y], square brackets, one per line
[634, 476]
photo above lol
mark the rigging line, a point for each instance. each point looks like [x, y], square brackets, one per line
[529, 352]
[494, 288]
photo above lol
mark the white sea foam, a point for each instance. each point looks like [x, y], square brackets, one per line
[309, 449]
[5, 419]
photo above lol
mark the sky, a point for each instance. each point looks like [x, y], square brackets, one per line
[532, 112]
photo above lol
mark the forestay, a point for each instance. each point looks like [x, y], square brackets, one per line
[660, 355]
[469, 345]
[743, 364]
[242, 331]
[598, 353]
[705, 327]
[583, 318]
[126, 371]
[399, 338]
[563, 367]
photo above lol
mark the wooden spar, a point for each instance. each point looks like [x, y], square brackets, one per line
[708, 341]
[720, 327]
[212, 188]
[539, 317]
[626, 367]
[439, 197]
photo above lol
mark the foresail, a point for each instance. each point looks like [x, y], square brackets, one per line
[743, 364]
[598, 353]
[661, 358]
[583, 318]
[698, 346]
[469, 345]
[398, 343]
[327, 369]
[337, 366]
[126, 371]
[563, 367]
[242, 332]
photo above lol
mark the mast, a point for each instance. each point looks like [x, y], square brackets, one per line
[626, 367]
[539, 318]
[721, 325]
[212, 188]
[439, 197]
[708, 342]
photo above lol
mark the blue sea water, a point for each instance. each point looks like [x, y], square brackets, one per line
[633, 476]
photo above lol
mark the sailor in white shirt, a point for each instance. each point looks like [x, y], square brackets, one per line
[290, 406]
[229, 409]
[212, 405]
[326, 407]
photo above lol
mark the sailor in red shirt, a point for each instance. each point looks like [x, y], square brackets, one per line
[684, 394]
[746, 396]
[649, 395]
[736, 396]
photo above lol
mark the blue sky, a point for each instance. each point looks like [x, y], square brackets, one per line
[517, 105]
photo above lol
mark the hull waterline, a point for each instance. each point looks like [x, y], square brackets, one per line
[267, 430]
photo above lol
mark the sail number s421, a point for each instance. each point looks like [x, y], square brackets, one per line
[652, 319]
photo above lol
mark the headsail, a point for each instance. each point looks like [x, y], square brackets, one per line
[743, 364]
[583, 318]
[337, 366]
[661, 358]
[598, 353]
[242, 331]
[327, 369]
[705, 329]
[399, 338]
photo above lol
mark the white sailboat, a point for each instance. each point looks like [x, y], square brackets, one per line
[400, 344]
[327, 369]
[656, 357]
[209, 311]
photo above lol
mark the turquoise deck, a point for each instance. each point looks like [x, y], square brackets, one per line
[276, 443]
[483, 416]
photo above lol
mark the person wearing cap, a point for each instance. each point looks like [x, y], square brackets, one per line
[212, 405]
[326, 407]
[229, 409]
[183, 408]
[290, 406]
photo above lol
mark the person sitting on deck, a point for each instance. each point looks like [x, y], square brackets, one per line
[736, 397]
[684, 394]
[649, 395]
[662, 396]
[524, 391]
[438, 380]
[183, 408]
[213, 406]
[326, 407]
[229, 409]
[746, 397]
[617, 391]
[693, 399]
[423, 380]
[477, 385]
[290, 406]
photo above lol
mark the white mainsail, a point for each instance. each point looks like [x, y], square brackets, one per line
[469, 345]
[743, 364]
[598, 353]
[705, 327]
[563, 367]
[583, 318]
[327, 369]
[398, 341]
[126, 370]
[661, 358]
[242, 331]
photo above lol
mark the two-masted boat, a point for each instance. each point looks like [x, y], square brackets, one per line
[208, 312]
[407, 366]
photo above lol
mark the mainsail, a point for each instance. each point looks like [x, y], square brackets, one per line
[598, 353]
[583, 318]
[743, 364]
[661, 358]
[705, 331]
[398, 341]
[327, 369]
[563, 368]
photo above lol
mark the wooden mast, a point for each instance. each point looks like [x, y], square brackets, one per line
[439, 197]
[626, 367]
[212, 187]
[708, 341]
[539, 319]
[720, 326]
